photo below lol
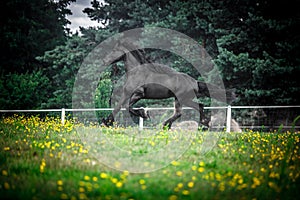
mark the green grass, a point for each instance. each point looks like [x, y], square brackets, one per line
[41, 159]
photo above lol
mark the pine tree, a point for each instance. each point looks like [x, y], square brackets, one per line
[28, 29]
[258, 53]
[254, 44]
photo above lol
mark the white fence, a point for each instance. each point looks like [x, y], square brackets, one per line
[229, 114]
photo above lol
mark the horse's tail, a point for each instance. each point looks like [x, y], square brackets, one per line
[213, 91]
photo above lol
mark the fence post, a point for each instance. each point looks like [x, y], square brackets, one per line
[63, 115]
[228, 119]
[141, 120]
[141, 123]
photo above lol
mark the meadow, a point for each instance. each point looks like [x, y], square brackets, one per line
[43, 159]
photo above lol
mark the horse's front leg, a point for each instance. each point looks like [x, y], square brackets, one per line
[110, 119]
[135, 97]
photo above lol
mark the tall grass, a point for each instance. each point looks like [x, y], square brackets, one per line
[42, 159]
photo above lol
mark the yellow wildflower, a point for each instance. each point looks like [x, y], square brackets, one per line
[262, 169]
[180, 185]
[270, 166]
[42, 166]
[240, 187]
[6, 186]
[103, 175]
[274, 186]
[6, 148]
[81, 183]
[142, 181]
[4, 173]
[256, 182]
[190, 184]
[82, 196]
[201, 164]
[222, 186]
[59, 182]
[175, 163]
[179, 173]
[63, 196]
[125, 173]
[201, 169]
[173, 197]
[114, 180]
[119, 184]
[218, 176]
[81, 189]
[185, 192]
[86, 178]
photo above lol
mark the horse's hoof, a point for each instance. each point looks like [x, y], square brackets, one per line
[167, 126]
[205, 122]
[141, 112]
[203, 128]
[107, 122]
[146, 114]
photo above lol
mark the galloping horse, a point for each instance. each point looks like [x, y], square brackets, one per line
[146, 80]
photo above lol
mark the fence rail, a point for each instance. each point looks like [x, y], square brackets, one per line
[229, 110]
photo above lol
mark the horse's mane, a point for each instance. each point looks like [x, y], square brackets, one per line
[160, 68]
[135, 50]
[139, 54]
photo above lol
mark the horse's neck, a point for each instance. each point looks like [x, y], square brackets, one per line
[131, 62]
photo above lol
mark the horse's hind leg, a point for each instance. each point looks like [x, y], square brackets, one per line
[199, 107]
[176, 115]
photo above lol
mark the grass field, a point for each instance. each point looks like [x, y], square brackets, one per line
[42, 159]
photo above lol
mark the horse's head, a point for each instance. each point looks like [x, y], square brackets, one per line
[125, 49]
[115, 55]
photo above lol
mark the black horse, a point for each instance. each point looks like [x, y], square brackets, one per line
[146, 80]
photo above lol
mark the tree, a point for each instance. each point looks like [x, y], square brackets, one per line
[103, 95]
[190, 17]
[64, 62]
[252, 42]
[21, 91]
[258, 54]
[28, 29]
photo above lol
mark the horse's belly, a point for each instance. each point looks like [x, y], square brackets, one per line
[156, 91]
